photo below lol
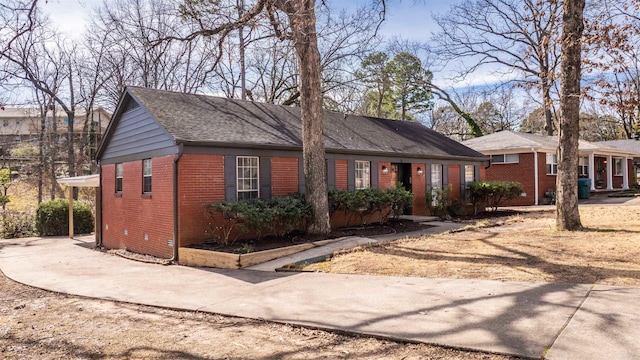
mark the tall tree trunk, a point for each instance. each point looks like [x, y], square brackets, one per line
[567, 214]
[41, 159]
[302, 20]
[547, 104]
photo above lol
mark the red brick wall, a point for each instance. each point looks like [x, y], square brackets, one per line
[284, 176]
[384, 180]
[545, 182]
[137, 213]
[483, 173]
[419, 189]
[618, 179]
[200, 182]
[341, 175]
[521, 172]
[454, 181]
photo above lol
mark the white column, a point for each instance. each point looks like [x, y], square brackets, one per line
[625, 173]
[592, 171]
[609, 172]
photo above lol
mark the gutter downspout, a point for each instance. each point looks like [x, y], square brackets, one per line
[99, 207]
[535, 174]
[176, 244]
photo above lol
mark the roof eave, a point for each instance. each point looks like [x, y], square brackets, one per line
[328, 150]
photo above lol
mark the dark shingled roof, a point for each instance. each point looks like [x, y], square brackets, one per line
[201, 119]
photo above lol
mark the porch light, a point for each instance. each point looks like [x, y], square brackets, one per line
[385, 170]
[420, 172]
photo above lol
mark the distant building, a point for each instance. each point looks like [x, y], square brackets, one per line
[18, 125]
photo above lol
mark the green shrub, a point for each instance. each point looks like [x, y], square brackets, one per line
[366, 202]
[15, 224]
[399, 198]
[256, 215]
[438, 201]
[493, 193]
[284, 214]
[289, 212]
[52, 218]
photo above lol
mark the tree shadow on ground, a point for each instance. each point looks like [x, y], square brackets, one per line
[515, 259]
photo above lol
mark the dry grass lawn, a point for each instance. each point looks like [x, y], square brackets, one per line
[525, 247]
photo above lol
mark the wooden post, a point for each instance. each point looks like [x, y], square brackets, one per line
[70, 212]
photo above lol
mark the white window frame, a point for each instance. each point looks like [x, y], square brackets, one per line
[469, 173]
[247, 169]
[617, 166]
[583, 166]
[362, 175]
[119, 171]
[437, 182]
[506, 159]
[552, 164]
[147, 172]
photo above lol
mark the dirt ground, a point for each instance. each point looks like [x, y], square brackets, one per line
[524, 247]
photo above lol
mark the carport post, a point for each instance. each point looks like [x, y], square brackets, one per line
[71, 212]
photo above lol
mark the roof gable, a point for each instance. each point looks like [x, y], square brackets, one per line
[524, 142]
[208, 120]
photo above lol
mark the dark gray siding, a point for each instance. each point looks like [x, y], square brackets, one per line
[136, 133]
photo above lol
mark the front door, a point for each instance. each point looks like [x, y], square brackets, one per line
[401, 174]
[600, 172]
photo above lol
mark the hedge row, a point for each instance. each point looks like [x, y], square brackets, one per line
[228, 220]
[493, 193]
[52, 218]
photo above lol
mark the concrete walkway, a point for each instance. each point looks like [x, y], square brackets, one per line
[353, 241]
[563, 321]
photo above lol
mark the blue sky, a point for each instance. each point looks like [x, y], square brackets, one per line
[408, 19]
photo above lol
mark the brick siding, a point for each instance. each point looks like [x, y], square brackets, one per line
[200, 182]
[284, 176]
[136, 213]
[419, 189]
[384, 180]
[341, 175]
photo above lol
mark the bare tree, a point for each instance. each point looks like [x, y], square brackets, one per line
[42, 61]
[612, 38]
[519, 38]
[567, 214]
[293, 21]
[124, 33]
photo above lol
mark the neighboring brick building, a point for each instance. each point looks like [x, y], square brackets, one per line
[531, 160]
[166, 155]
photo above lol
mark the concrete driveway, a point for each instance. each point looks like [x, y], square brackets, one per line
[563, 321]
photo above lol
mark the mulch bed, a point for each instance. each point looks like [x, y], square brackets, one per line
[274, 242]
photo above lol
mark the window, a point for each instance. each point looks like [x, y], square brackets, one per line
[505, 158]
[118, 178]
[436, 176]
[5, 123]
[469, 177]
[436, 182]
[131, 104]
[469, 173]
[247, 170]
[146, 176]
[617, 166]
[552, 164]
[363, 175]
[583, 166]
